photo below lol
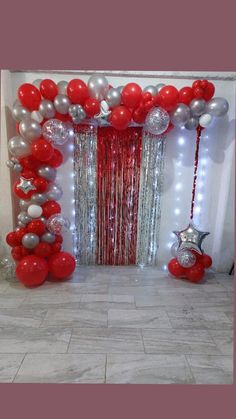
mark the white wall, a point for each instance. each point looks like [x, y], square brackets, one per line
[216, 169]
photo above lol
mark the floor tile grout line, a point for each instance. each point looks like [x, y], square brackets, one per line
[141, 333]
[19, 367]
[105, 372]
[190, 369]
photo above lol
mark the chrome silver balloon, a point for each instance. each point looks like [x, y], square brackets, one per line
[62, 87]
[19, 112]
[30, 240]
[151, 89]
[159, 86]
[24, 204]
[218, 106]
[54, 192]
[192, 123]
[197, 107]
[48, 237]
[38, 198]
[23, 217]
[30, 129]
[47, 172]
[62, 104]
[113, 97]
[120, 88]
[46, 108]
[36, 116]
[180, 115]
[98, 86]
[77, 113]
[17, 167]
[19, 147]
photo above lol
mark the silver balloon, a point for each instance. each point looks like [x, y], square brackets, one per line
[19, 112]
[62, 104]
[157, 121]
[180, 115]
[14, 165]
[191, 238]
[48, 237]
[54, 192]
[19, 147]
[47, 172]
[62, 87]
[174, 249]
[24, 204]
[120, 88]
[192, 123]
[30, 129]
[30, 240]
[23, 217]
[17, 167]
[186, 258]
[58, 224]
[218, 106]
[20, 224]
[151, 89]
[113, 97]
[37, 83]
[159, 86]
[58, 132]
[197, 107]
[46, 108]
[37, 116]
[38, 198]
[77, 113]
[10, 164]
[43, 219]
[98, 86]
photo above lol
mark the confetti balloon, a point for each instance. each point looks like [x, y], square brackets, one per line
[58, 132]
[186, 258]
[58, 224]
[157, 121]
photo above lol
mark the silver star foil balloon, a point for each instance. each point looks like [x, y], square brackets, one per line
[104, 111]
[191, 238]
[25, 185]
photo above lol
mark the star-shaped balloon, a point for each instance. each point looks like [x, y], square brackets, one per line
[26, 185]
[191, 238]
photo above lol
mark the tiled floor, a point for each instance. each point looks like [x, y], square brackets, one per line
[118, 325]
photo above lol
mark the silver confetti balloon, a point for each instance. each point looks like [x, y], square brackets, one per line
[98, 86]
[24, 204]
[113, 97]
[62, 104]
[58, 132]
[186, 258]
[19, 112]
[159, 86]
[23, 217]
[19, 147]
[218, 106]
[47, 172]
[192, 123]
[62, 87]
[30, 240]
[54, 192]
[157, 121]
[180, 115]
[46, 108]
[58, 224]
[151, 89]
[30, 129]
[48, 237]
[197, 107]
[38, 198]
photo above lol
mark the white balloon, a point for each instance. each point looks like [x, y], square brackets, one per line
[205, 120]
[36, 115]
[34, 211]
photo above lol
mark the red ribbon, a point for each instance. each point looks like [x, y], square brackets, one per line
[199, 131]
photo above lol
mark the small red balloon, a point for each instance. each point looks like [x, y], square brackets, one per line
[77, 91]
[209, 91]
[156, 100]
[12, 239]
[30, 162]
[18, 252]
[196, 83]
[37, 227]
[50, 208]
[48, 89]
[131, 95]
[29, 96]
[28, 174]
[198, 93]
[41, 184]
[169, 97]
[147, 96]
[20, 232]
[205, 260]
[120, 118]
[92, 107]
[43, 250]
[32, 270]
[56, 160]
[61, 265]
[175, 268]
[42, 149]
[196, 273]
[56, 247]
[139, 115]
[58, 238]
[185, 95]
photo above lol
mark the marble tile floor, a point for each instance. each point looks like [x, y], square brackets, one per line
[118, 325]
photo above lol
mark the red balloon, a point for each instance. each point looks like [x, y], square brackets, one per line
[29, 96]
[205, 260]
[42, 149]
[12, 240]
[18, 252]
[147, 96]
[149, 105]
[175, 268]
[156, 100]
[50, 208]
[32, 270]
[42, 250]
[131, 95]
[209, 91]
[56, 160]
[48, 89]
[185, 95]
[30, 162]
[61, 265]
[41, 184]
[139, 115]
[77, 91]
[195, 274]
[20, 232]
[196, 83]
[198, 93]
[120, 118]
[92, 107]
[21, 193]
[58, 238]
[56, 247]
[37, 227]
[28, 174]
[62, 117]
[204, 84]
[169, 97]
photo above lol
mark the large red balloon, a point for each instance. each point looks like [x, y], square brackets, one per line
[205, 260]
[131, 95]
[37, 227]
[120, 118]
[77, 91]
[168, 97]
[48, 89]
[32, 270]
[42, 250]
[185, 95]
[41, 184]
[30, 162]
[92, 107]
[195, 274]
[56, 160]
[50, 208]
[61, 265]
[42, 149]
[29, 96]
[175, 268]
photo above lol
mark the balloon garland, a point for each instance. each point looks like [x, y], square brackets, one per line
[46, 114]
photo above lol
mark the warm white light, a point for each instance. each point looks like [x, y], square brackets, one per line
[169, 245]
[203, 161]
[197, 210]
[71, 147]
[181, 141]
[177, 211]
[164, 267]
[200, 197]
[178, 186]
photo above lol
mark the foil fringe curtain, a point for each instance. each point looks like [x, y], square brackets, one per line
[149, 211]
